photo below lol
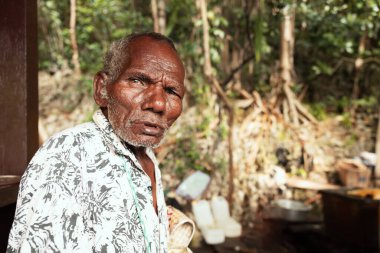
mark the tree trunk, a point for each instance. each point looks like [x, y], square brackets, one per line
[286, 59]
[73, 39]
[161, 15]
[222, 95]
[358, 66]
[155, 15]
[287, 45]
[282, 80]
[206, 40]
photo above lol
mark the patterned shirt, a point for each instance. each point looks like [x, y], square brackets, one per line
[76, 195]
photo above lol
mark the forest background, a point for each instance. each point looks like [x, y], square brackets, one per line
[275, 89]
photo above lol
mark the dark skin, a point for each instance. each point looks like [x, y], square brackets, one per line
[146, 98]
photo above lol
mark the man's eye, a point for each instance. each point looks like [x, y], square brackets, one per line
[136, 81]
[171, 91]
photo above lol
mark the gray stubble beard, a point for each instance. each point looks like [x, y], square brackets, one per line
[127, 136]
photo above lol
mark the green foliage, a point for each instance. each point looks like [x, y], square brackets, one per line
[329, 31]
[369, 105]
[186, 156]
[223, 131]
[366, 102]
[322, 68]
[98, 23]
[350, 141]
[299, 172]
[204, 126]
[198, 153]
[88, 116]
[318, 110]
[327, 37]
[340, 104]
[200, 91]
[51, 41]
[347, 122]
[86, 84]
[259, 30]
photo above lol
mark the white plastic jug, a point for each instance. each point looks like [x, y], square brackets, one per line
[220, 208]
[223, 219]
[205, 221]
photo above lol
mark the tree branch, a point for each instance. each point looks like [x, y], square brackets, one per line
[235, 70]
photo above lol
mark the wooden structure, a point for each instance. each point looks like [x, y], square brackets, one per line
[18, 101]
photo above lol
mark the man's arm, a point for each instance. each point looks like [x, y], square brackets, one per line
[47, 217]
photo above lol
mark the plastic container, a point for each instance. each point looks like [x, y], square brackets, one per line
[206, 223]
[223, 219]
[220, 208]
[193, 186]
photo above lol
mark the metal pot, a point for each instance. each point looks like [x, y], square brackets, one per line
[293, 210]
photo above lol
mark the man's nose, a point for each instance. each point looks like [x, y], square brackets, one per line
[155, 99]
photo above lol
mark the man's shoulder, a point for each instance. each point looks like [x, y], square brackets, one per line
[59, 158]
[71, 137]
[78, 129]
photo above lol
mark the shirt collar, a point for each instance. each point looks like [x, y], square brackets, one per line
[114, 142]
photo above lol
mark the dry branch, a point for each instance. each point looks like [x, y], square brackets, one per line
[237, 69]
[291, 102]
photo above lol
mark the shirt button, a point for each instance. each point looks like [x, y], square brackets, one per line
[150, 188]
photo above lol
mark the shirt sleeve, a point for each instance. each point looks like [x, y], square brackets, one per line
[48, 213]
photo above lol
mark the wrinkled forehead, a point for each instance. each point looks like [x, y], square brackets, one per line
[145, 52]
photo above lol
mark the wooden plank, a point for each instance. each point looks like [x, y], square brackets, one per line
[299, 183]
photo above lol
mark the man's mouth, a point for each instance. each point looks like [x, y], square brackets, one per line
[152, 129]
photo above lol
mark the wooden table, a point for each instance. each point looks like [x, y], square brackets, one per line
[8, 189]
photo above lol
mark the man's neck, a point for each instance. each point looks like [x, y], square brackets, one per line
[141, 156]
[147, 165]
[139, 152]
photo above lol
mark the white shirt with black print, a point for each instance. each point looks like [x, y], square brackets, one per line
[75, 196]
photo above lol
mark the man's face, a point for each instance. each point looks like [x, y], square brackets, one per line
[146, 98]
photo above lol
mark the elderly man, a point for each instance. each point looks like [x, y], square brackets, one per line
[97, 187]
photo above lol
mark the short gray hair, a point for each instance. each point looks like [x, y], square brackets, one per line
[118, 54]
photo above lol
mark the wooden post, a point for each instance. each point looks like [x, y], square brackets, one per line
[18, 100]
[18, 85]
[377, 169]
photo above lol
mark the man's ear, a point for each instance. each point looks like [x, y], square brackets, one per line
[100, 91]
